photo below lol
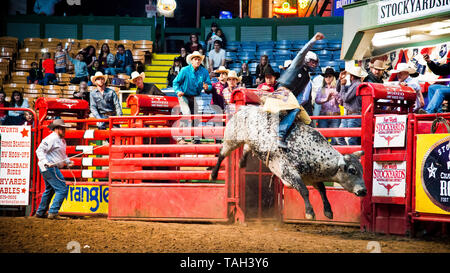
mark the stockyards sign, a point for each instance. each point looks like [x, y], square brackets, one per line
[389, 179]
[390, 11]
[390, 131]
[433, 173]
[15, 165]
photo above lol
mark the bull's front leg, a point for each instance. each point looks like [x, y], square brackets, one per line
[326, 204]
[292, 177]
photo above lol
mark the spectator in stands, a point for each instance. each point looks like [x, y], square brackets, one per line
[189, 84]
[232, 84]
[328, 98]
[183, 55]
[351, 102]
[216, 56]
[376, 72]
[17, 101]
[83, 92]
[205, 62]
[105, 57]
[60, 59]
[215, 31]
[35, 74]
[261, 68]
[142, 87]
[219, 86]
[3, 103]
[29, 120]
[95, 68]
[270, 81]
[89, 55]
[193, 44]
[437, 92]
[49, 70]
[104, 101]
[80, 67]
[404, 70]
[45, 7]
[123, 62]
[174, 70]
[246, 76]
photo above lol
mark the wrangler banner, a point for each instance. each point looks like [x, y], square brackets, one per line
[86, 199]
[433, 173]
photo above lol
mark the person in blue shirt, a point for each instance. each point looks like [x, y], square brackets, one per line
[189, 83]
[123, 62]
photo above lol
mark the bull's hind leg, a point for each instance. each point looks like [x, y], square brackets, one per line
[245, 153]
[227, 147]
[326, 204]
[292, 177]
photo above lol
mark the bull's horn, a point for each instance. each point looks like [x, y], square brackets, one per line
[358, 153]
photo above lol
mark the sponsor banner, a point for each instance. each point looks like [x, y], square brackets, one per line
[338, 9]
[390, 131]
[15, 165]
[86, 199]
[398, 10]
[433, 173]
[389, 179]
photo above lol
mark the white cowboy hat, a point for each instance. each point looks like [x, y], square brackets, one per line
[356, 71]
[378, 64]
[233, 75]
[194, 54]
[222, 69]
[98, 74]
[136, 75]
[404, 67]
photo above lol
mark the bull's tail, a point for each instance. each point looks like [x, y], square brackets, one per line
[227, 147]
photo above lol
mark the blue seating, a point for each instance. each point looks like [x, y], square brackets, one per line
[297, 45]
[233, 46]
[230, 56]
[283, 44]
[252, 67]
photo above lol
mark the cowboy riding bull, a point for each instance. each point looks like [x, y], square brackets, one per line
[294, 151]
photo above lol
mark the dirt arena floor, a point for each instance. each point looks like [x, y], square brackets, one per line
[99, 235]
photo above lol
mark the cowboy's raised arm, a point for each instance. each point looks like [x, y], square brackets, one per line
[298, 60]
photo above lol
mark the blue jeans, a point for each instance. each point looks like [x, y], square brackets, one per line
[47, 78]
[436, 95]
[351, 123]
[114, 71]
[286, 123]
[54, 185]
[330, 123]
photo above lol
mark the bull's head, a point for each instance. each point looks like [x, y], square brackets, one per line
[350, 174]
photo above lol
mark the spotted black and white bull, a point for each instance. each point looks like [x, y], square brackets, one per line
[310, 159]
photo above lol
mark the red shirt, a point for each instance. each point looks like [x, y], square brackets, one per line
[266, 87]
[49, 66]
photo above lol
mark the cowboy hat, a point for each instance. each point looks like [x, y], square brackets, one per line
[356, 71]
[329, 71]
[270, 72]
[194, 54]
[378, 64]
[404, 67]
[98, 74]
[136, 75]
[233, 75]
[58, 123]
[221, 69]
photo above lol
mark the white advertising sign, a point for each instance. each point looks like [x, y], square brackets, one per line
[15, 161]
[390, 131]
[389, 179]
[398, 10]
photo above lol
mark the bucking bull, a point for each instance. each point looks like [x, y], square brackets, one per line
[310, 160]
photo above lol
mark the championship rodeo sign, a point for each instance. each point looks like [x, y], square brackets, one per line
[433, 173]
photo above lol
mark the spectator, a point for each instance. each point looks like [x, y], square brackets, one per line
[437, 92]
[3, 103]
[215, 31]
[404, 71]
[105, 57]
[205, 62]
[183, 55]
[45, 7]
[270, 81]
[89, 55]
[219, 86]
[35, 74]
[216, 56]
[376, 72]
[328, 98]
[351, 102]
[193, 44]
[83, 92]
[16, 117]
[29, 120]
[80, 67]
[246, 76]
[174, 70]
[123, 62]
[49, 70]
[189, 84]
[95, 68]
[232, 84]
[261, 68]
[104, 101]
[144, 88]
[60, 59]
